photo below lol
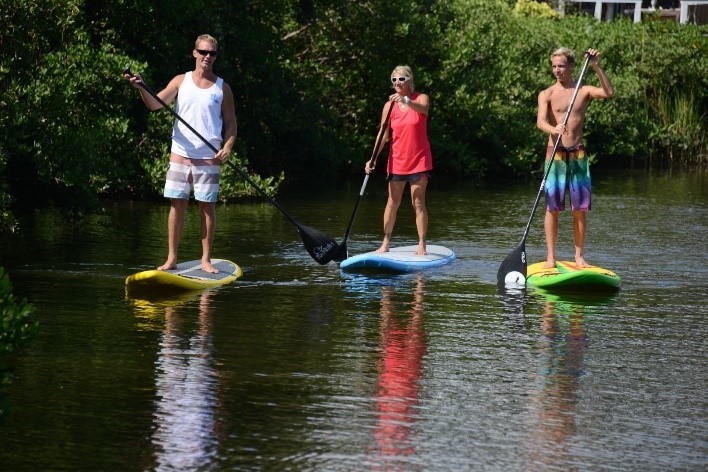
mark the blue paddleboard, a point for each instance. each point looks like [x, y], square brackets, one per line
[399, 259]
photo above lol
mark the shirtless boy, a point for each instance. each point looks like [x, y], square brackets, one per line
[570, 168]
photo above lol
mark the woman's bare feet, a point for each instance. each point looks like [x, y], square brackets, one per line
[422, 250]
[383, 248]
[550, 264]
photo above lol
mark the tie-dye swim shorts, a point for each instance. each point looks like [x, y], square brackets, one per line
[570, 169]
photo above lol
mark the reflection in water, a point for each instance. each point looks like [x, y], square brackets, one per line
[184, 434]
[403, 346]
[556, 399]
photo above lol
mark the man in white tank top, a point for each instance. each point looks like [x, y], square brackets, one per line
[206, 102]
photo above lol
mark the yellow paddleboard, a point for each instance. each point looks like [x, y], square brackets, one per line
[186, 276]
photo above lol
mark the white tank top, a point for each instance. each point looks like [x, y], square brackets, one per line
[201, 108]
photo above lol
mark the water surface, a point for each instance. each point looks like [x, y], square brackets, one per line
[297, 366]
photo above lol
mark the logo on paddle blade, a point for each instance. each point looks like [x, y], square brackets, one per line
[514, 278]
[320, 252]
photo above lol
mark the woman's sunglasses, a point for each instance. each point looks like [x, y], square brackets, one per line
[399, 79]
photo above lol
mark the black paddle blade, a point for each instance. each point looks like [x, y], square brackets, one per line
[321, 247]
[512, 271]
[342, 254]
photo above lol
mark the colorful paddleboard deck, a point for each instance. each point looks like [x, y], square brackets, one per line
[399, 260]
[567, 276]
[185, 277]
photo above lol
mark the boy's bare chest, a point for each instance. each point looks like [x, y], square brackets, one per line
[560, 99]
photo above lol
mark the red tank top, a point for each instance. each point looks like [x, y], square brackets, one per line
[410, 148]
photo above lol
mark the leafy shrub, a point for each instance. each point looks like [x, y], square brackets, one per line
[16, 326]
[537, 9]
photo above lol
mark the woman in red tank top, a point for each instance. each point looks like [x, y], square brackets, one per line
[410, 160]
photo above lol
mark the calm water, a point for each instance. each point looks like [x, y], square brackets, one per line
[297, 366]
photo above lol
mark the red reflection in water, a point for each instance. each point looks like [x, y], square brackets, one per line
[403, 346]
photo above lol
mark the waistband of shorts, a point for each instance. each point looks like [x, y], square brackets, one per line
[567, 150]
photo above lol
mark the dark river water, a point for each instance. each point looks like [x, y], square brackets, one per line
[298, 366]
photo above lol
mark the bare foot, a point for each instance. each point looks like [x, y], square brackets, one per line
[168, 265]
[581, 262]
[383, 248]
[209, 268]
[422, 250]
[550, 264]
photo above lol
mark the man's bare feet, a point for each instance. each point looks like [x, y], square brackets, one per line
[422, 250]
[168, 265]
[209, 268]
[550, 264]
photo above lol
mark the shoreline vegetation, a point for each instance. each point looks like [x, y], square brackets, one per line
[309, 79]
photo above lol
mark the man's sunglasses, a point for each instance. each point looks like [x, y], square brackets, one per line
[399, 79]
[204, 52]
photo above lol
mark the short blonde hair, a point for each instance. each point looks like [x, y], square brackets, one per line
[406, 71]
[567, 53]
[208, 38]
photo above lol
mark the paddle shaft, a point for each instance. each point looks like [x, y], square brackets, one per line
[211, 146]
[374, 155]
[555, 147]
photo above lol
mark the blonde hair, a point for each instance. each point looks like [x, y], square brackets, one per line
[567, 53]
[406, 71]
[206, 37]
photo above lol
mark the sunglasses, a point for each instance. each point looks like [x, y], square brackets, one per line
[400, 79]
[204, 52]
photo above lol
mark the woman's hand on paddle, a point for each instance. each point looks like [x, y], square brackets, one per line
[368, 167]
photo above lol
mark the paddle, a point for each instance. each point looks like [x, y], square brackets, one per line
[343, 251]
[513, 269]
[321, 247]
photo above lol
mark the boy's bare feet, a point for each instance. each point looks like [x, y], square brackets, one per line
[581, 262]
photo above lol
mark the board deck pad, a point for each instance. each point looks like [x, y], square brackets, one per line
[399, 259]
[567, 275]
[185, 276]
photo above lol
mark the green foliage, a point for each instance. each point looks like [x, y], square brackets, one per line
[346, 55]
[310, 79]
[681, 128]
[16, 325]
[60, 104]
[8, 224]
[537, 9]
[498, 62]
